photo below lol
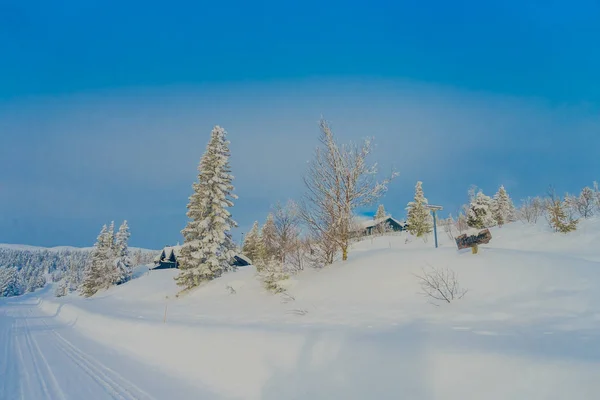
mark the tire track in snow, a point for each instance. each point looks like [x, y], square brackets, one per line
[9, 365]
[113, 383]
[57, 392]
[22, 369]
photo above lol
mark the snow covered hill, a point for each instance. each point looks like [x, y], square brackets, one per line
[528, 326]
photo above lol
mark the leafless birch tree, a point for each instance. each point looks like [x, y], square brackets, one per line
[338, 181]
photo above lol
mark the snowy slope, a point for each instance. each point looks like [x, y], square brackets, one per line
[528, 327]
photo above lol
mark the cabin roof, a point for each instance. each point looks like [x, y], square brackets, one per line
[374, 222]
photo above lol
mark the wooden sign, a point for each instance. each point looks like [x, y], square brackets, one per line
[464, 241]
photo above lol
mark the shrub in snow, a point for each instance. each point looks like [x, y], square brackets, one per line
[208, 247]
[273, 275]
[480, 212]
[441, 285]
[419, 218]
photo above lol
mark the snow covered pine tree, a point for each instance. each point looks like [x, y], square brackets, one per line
[99, 273]
[124, 267]
[503, 209]
[208, 247]
[380, 212]
[419, 218]
[252, 242]
[480, 214]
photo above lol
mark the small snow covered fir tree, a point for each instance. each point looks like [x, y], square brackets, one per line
[268, 235]
[252, 244]
[503, 209]
[480, 213]
[208, 248]
[419, 218]
[380, 212]
[123, 267]
[557, 214]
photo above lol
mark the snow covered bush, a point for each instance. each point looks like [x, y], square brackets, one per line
[480, 212]
[208, 247]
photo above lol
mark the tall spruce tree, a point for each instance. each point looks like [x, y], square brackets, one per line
[380, 212]
[503, 209]
[124, 267]
[419, 218]
[208, 248]
[98, 273]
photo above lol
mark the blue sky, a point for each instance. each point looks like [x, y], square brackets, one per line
[106, 107]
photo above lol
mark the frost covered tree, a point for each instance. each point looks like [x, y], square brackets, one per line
[596, 197]
[9, 282]
[123, 260]
[419, 219]
[480, 212]
[268, 235]
[99, 273]
[583, 204]
[503, 209]
[557, 214]
[339, 180]
[252, 243]
[208, 247]
[380, 212]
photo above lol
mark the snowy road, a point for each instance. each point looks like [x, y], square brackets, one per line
[43, 359]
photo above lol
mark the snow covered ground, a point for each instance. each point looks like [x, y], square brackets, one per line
[528, 328]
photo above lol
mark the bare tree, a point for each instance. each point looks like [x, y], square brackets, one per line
[287, 220]
[531, 209]
[461, 224]
[441, 284]
[449, 226]
[338, 181]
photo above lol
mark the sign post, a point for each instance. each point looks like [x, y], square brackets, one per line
[434, 210]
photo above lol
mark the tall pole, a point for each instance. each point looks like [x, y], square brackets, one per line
[435, 228]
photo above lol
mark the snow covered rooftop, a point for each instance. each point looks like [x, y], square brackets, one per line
[361, 225]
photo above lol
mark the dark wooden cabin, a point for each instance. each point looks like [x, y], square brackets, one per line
[168, 259]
